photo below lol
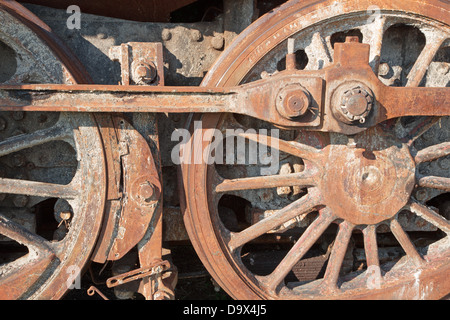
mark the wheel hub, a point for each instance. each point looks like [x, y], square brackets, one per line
[366, 185]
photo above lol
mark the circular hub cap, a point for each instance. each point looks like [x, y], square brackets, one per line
[352, 102]
[367, 187]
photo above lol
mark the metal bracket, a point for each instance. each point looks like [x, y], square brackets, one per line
[141, 190]
[134, 175]
[141, 63]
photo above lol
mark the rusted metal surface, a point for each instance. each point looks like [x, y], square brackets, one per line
[113, 205]
[141, 190]
[50, 258]
[141, 63]
[87, 199]
[301, 106]
[187, 58]
[93, 290]
[127, 190]
[362, 168]
[366, 187]
[137, 220]
[73, 69]
[153, 270]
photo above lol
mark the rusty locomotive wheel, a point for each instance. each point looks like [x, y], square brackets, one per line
[53, 184]
[343, 217]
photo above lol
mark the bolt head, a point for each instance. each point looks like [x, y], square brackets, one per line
[293, 101]
[146, 192]
[354, 103]
[143, 72]
[357, 103]
[297, 103]
[383, 69]
[421, 194]
[444, 163]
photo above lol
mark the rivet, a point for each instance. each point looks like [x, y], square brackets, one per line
[166, 35]
[196, 35]
[218, 42]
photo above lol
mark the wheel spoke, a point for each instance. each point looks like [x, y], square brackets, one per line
[375, 32]
[318, 52]
[403, 238]
[20, 234]
[337, 255]
[302, 179]
[24, 141]
[26, 272]
[415, 76]
[299, 207]
[425, 58]
[429, 215]
[301, 247]
[370, 246]
[38, 189]
[374, 277]
[419, 128]
[432, 153]
[439, 183]
[291, 147]
[27, 269]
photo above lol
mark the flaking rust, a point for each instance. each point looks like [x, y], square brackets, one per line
[345, 180]
[365, 180]
[347, 92]
[141, 189]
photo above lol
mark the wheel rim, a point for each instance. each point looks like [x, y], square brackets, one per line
[221, 249]
[52, 199]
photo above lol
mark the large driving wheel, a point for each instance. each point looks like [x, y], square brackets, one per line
[342, 217]
[52, 170]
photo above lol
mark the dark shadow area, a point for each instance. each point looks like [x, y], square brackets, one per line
[199, 11]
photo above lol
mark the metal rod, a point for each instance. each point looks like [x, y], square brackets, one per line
[114, 98]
